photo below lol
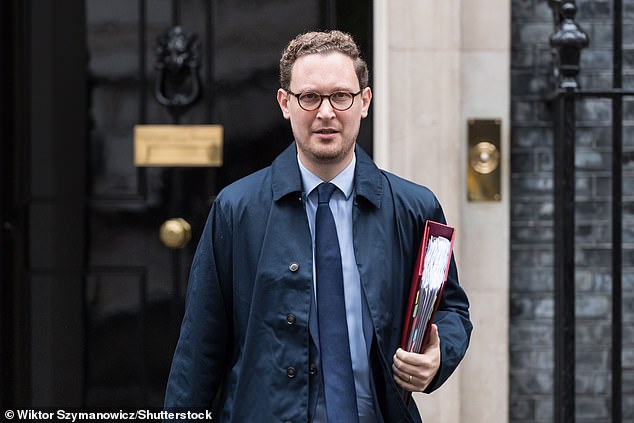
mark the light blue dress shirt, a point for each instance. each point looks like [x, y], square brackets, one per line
[341, 204]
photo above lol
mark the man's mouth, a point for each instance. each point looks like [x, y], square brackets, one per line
[326, 131]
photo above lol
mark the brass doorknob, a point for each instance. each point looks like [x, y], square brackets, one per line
[484, 157]
[175, 233]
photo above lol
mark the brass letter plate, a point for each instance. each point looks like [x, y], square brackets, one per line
[178, 145]
[483, 160]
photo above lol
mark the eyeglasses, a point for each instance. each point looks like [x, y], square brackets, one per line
[339, 100]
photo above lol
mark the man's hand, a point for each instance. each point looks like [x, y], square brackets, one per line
[413, 372]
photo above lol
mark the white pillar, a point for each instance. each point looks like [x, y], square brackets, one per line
[437, 64]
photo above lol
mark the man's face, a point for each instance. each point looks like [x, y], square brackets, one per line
[325, 136]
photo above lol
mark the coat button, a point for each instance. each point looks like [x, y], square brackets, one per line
[293, 267]
[291, 319]
[312, 370]
[290, 372]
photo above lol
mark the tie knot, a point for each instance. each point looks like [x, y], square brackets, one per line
[324, 192]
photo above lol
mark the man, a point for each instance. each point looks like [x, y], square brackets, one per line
[320, 237]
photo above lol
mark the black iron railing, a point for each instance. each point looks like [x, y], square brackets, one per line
[567, 41]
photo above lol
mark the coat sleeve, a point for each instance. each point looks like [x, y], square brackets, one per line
[452, 319]
[203, 349]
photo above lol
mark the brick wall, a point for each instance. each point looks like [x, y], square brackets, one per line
[532, 305]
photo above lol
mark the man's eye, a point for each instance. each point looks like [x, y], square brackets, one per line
[309, 96]
[339, 96]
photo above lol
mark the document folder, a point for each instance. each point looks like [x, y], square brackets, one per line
[424, 298]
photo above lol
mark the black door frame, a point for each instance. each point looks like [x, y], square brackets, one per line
[43, 160]
[13, 347]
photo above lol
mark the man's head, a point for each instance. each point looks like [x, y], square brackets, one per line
[321, 42]
[325, 95]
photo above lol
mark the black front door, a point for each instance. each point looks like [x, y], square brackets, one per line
[99, 296]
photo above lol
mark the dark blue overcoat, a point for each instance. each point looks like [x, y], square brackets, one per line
[245, 336]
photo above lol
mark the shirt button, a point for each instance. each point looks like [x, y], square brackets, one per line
[290, 372]
[293, 267]
[312, 370]
[291, 319]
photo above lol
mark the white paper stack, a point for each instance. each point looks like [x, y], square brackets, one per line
[431, 282]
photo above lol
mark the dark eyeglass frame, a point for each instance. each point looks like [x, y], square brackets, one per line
[321, 99]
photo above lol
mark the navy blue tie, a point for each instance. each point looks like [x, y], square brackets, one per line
[339, 392]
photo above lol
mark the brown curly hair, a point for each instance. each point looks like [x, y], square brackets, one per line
[321, 42]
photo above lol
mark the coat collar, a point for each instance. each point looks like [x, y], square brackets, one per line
[286, 177]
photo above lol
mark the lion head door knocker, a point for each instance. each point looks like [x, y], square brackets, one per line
[178, 61]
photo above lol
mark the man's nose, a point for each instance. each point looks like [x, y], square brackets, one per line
[325, 109]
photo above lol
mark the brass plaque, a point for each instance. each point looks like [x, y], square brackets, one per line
[178, 145]
[483, 160]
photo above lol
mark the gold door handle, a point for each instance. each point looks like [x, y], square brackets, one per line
[484, 157]
[484, 181]
[175, 233]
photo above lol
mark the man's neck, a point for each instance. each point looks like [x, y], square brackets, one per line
[325, 171]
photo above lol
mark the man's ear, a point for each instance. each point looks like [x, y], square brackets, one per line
[282, 100]
[366, 99]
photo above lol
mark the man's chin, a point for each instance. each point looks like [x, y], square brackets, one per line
[330, 159]
[326, 155]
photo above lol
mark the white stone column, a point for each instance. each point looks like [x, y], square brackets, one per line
[437, 64]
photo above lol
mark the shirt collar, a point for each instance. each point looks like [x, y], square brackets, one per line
[286, 178]
[344, 180]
